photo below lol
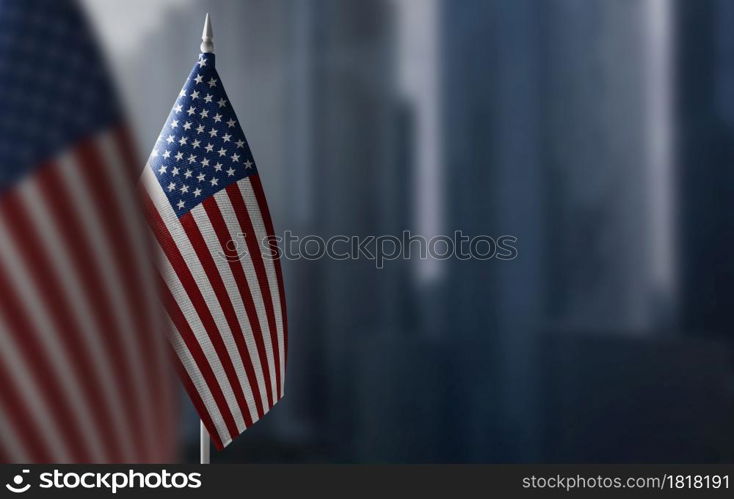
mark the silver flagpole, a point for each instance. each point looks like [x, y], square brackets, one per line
[204, 446]
[204, 452]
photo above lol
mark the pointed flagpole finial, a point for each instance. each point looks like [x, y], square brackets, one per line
[207, 46]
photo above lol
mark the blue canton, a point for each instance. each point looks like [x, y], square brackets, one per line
[202, 148]
[55, 88]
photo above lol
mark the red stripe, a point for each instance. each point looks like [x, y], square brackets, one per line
[129, 153]
[262, 203]
[170, 405]
[220, 291]
[198, 403]
[220, 228]
[192, 344]
[55, 298]
[243, 217]
[28, 341]
[192, 290]
[129, 268]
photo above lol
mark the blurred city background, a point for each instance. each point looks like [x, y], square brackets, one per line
[599, 132]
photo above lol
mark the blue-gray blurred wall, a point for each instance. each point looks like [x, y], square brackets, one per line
[598, 132]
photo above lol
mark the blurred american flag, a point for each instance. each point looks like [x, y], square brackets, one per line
[82, 368]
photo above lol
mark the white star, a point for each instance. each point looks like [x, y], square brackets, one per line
[184, 188]
[240, 143]
[231, 123]
[226, 137]
[200, 129]
[222, 102]
[183, 140]
[180, 204]
[208, 98]
[174, 123]
[209, 147]
[222, 151]
[212, 133]
[182, 93]
[174, 172]
[187, 125]
[204, 113]
[214, 181]
[204, 162]
[154, 153]
[235, 157]
[230, 172]
[201, 177]
[171, 138]
[212, 82]
[179, 156]
[217, 118]
[192, 158]
[162, 169]
[191, 110]
[196, 143]
[248, 164]
[195, 94]
[198, 78]
[218, 166]
[171, 186]
[188, 173]
[167, 154]
[178, 108]
[202, 62]
[197, 192]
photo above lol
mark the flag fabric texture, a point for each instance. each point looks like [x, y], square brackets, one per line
[221, 283]
[82, 370]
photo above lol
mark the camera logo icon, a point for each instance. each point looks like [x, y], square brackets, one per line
[17, 486]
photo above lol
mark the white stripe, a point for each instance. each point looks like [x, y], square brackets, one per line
[261, 232]
[80, 307]
[192, 317]
[24, 379]
[49, 339]
[202, 220]
[188, 362]
[73, 177]
[230, 219]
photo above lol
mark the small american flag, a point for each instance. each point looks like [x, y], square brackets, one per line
[82, 369]
[223, 293]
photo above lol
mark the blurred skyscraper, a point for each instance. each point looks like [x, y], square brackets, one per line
[706, 148]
